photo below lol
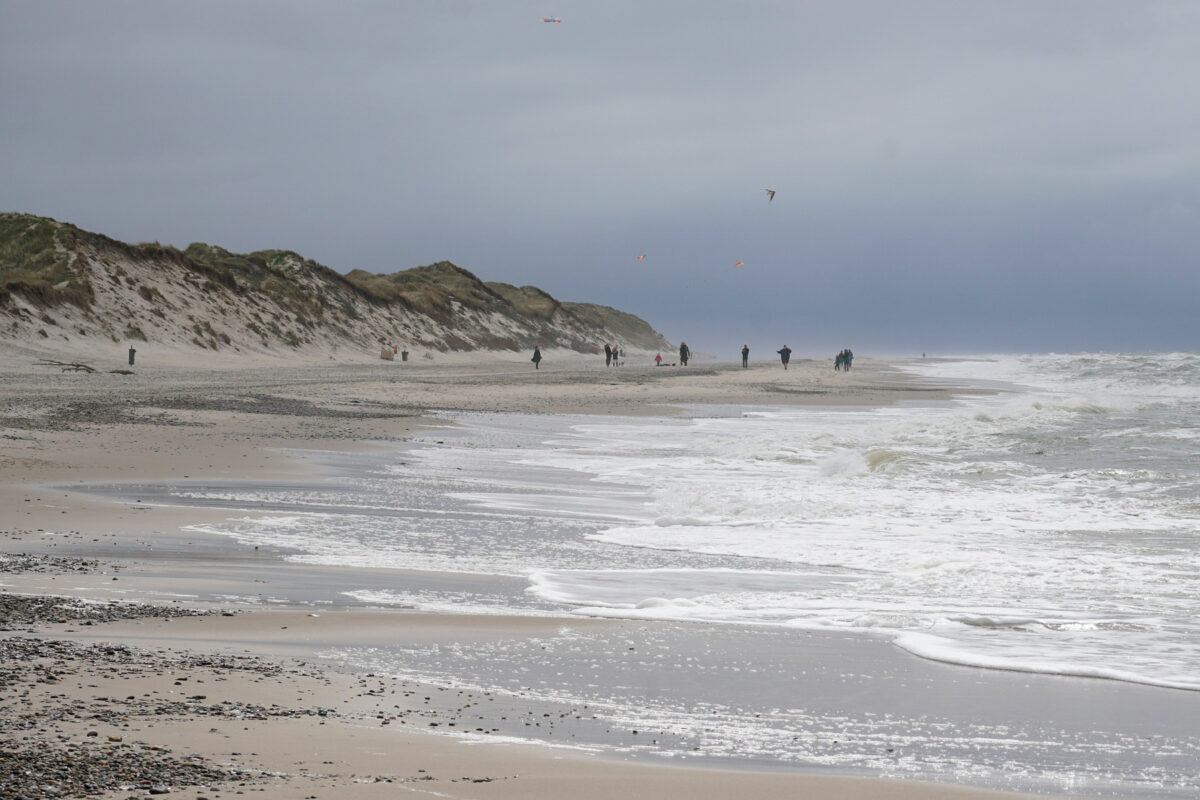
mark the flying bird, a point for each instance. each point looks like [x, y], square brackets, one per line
[551, 19]
[770, 194]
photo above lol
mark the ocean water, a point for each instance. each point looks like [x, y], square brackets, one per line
[1047, 525]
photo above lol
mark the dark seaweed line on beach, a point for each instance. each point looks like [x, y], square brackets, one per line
[22, 611]
[56, 416]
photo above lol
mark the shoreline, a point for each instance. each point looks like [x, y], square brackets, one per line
[236, 424]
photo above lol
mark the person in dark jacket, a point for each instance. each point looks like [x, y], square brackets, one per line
[607, 354]
[684, 354]
[745, 356]
[785, 355]
[537, 357]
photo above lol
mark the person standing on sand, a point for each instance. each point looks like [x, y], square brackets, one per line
[607, 354]
[658, 359]
[785, 355]
[537, 357]
[745, 356]
[684, 354]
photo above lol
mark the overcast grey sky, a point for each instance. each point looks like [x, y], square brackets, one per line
[951, 176]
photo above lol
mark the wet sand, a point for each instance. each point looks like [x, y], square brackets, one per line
[236, 700]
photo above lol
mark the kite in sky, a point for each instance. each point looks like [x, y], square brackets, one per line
[770, 194]
[551, 19]
[641, 256]
[740, 263]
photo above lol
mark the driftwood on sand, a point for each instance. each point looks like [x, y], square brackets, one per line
[67, 366]
[77, 366]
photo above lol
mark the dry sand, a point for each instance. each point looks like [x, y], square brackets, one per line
[241, 690]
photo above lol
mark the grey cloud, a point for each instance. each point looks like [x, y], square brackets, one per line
[962, 157]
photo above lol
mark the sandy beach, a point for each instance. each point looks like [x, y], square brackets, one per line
[163, 691]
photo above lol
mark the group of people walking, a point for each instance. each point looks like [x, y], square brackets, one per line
[685, 353]
[612, 357]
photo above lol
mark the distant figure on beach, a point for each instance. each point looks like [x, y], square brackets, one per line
[847, 359]
[684, 354]
[745, 356]
[537, 357]
[616, 356]
[658, 359]
[607, 354]
[132, 353]
[785, 355]
[837, 361]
